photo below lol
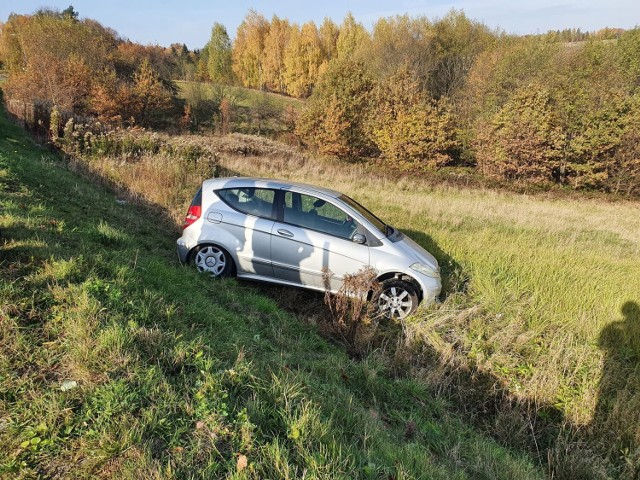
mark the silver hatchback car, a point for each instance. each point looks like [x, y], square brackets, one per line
[303, 236]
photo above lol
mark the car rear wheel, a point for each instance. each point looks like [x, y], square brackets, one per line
[213, 260]
[397, 299]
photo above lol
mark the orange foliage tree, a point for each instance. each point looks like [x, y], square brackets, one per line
[83, 68]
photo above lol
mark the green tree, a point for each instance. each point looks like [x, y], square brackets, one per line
[219, 52]
[604, 153]
[69, 12]
[334, 120]
[411, 130]
[628, 49]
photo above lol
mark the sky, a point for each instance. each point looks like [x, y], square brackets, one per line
[190, 21]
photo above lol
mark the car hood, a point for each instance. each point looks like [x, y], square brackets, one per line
[412, 250]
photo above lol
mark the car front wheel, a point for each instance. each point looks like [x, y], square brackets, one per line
[397, 299]
[213, 260]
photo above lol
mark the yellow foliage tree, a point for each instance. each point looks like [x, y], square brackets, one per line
[302, 60]
[411, 130]
[273, 63]
[353, 38]
[248, 50]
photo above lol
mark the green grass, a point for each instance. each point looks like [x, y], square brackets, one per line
[253, 111]
[534, 288]
[117, 362]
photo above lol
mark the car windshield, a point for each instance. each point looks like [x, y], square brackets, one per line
[382, 227]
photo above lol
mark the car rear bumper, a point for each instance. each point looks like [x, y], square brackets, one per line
[183, 251]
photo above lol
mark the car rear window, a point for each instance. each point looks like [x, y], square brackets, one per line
[249, 200]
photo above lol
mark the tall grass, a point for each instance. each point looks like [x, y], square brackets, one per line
[543, 280]
[115, 362]
[534, 286]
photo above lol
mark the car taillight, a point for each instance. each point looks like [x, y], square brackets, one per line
[194, 213]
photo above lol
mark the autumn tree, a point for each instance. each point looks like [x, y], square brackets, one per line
[219, 53]
[352, 39]
[329, 33]
[402, 42]
[302, 60]
[523, 140]
[50, 57]
[334, 120]
[248, 50]
[411, 130]
[112, 99]
[202, 65]
[153, 100]
[457, 42]
[273, 60]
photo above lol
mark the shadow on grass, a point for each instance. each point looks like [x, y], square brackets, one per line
[617, 414]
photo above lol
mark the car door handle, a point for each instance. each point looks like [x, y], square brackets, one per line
[285, 233]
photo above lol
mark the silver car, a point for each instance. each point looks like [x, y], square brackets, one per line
[303, 236]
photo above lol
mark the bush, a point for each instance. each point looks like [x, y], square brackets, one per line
[334, 120]
[411, 130]
[523, 140]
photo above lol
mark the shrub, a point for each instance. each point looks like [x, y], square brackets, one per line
[411, 130]
[334, 120]
[523, 140]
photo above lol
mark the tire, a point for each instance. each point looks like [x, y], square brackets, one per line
[397, 299]
[213, 260]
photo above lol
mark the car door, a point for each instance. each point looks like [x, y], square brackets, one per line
[311, 242]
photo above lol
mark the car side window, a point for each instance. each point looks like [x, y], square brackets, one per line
[317, 214]
[249, 200]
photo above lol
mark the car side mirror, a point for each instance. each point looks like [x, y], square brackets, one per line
[359, 239]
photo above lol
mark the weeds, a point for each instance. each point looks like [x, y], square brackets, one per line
[352, 316]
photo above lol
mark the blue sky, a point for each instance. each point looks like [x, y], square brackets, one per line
[190, 21]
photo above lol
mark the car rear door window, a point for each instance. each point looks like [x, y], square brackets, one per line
[249, 200]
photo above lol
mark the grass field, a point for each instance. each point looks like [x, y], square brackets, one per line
[253, 111]
[115, 362]
[543, 298]
[536, 338]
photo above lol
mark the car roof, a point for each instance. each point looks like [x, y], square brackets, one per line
[255, 182]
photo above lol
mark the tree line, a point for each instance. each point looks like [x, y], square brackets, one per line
[412, 93]
[418, 94]
[83, 68]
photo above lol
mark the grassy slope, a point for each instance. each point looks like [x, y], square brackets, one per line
[246, 101]
[546, 294]
[116, 362]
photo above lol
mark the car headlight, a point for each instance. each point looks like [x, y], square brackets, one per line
[426, 270]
